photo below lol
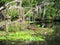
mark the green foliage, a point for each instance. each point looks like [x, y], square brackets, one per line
[51, 11]
[27, 3]
[8, 0]
[14, 27]
[2, 2]
[13, 13]
[38, 26]
[23, 36]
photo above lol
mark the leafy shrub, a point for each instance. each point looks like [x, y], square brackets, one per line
[13, 13]
[14, 27]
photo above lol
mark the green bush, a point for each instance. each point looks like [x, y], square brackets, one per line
[13, 13]
[14, 27]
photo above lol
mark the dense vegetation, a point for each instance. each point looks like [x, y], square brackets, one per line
[41, 25]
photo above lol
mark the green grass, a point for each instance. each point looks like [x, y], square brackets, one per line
[15, 33]
[28, 35]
